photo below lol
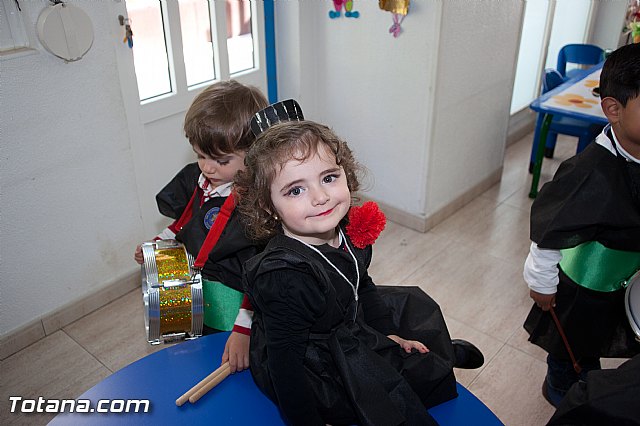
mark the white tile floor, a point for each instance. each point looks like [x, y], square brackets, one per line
[471, 264]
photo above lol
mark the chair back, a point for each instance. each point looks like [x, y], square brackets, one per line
[583, 54]
[552, 79]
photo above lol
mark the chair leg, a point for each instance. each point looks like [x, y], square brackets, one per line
[551, 144]
[583, 141]
[534, 145]
[544, 130]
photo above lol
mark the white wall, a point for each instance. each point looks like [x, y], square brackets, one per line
[475, 77]
[373, 89]
[608, 23]
[69, 216]
[427, 112]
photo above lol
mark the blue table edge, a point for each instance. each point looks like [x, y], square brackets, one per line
[536, 105]
[462, 410]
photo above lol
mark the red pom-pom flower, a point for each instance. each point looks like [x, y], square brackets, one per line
[365, 224]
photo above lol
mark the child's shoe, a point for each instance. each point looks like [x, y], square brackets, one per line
[467, 355]
[551, 395]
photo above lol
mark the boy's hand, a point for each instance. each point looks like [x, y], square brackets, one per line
[408, 345]
[544, 301]
[138, 254]
[236, 351]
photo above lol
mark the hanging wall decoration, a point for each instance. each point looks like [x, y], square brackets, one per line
[128, 33]
[399, 9]
[348, 9]
[65, 31]
[632, 22]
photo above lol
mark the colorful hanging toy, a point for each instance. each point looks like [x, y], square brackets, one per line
[399, 9]
[348, 7]
[128, 36]
[128, 33]
[632, 21]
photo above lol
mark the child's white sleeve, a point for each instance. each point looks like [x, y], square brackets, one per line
[166, 234]
[541, 269]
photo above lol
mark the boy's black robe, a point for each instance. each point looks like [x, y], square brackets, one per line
[608, 397]
[233, 247]
[592, 197]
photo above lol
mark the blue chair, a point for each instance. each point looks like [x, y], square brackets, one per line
[581, 54]
[584, 131]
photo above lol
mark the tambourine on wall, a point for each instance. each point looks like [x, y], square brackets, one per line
[65, 31]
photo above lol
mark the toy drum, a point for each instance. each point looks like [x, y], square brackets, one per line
[632, 303]
[171, 292]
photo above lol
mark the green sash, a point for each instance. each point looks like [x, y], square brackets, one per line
[221, 304]
[598, 268]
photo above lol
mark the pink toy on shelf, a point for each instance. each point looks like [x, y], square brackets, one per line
[348, 7]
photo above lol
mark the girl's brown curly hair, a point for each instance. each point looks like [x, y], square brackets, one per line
[295, 140]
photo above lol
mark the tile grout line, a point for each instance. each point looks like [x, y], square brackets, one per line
[486, 364]
[428, 259]
[87, 351]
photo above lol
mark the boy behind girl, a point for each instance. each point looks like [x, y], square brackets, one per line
[217, 127]
[585, 228]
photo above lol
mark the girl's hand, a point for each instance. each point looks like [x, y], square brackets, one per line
[236, 351]
[137, 255]
[408, 345]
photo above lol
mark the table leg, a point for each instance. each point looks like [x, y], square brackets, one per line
[537, 166]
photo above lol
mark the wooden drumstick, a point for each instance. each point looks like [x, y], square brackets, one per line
[210, 385]
[576, 366]
[185, 397]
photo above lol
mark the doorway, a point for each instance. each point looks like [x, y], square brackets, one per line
[547, 26]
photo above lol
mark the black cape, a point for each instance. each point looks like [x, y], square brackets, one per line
[233, 247]
[354, 373]
[608, 397]
[592, 197]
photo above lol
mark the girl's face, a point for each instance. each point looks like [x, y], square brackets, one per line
[311, 197]
[220, 170]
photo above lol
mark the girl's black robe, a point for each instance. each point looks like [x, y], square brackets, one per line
[319, 364]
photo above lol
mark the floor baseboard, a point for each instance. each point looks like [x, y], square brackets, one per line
[30, 333]
[422, 223]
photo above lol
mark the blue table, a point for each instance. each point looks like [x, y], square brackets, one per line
[165, 375]
[573, 99]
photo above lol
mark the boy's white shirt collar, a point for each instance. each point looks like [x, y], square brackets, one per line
[219, 191]
[605, 142]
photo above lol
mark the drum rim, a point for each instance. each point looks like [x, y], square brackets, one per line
[632, 318]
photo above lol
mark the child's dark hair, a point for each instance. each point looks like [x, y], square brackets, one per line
[620, 77]
[217, 121]
[295, 140]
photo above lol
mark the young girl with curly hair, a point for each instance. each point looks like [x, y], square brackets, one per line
[325, 345]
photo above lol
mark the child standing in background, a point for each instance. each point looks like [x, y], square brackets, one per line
[585, 232]
[217, 127]
[324, 345]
